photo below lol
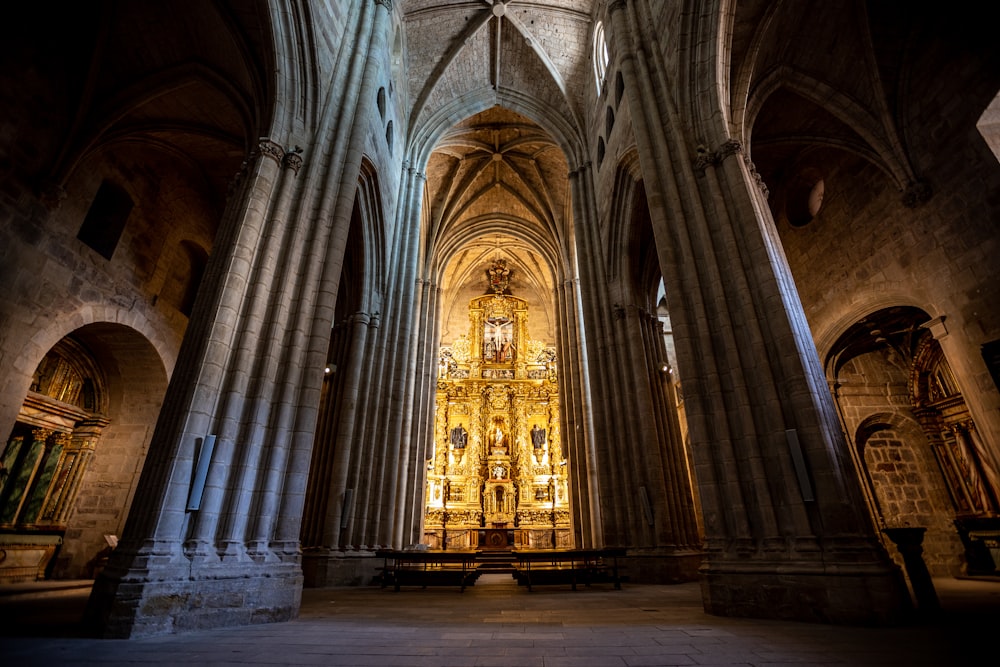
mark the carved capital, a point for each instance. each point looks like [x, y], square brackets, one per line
[705, 159]
[385, 3]
[270, 149]
[41, 434]
[729, 147]
[293, 159]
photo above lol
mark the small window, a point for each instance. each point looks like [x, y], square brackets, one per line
[600, 152]
[388, 136]
[380, 100]
[619, 88]
[609, 122]
[601, 57]
[105, 221]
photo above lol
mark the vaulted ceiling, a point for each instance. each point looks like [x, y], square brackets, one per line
[497, 182]
[497, 188]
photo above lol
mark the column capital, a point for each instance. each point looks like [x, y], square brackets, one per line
[706, 158]
[41, 434]
[270, 149]
[293, 159]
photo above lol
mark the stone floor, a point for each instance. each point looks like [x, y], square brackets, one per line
[498, 623]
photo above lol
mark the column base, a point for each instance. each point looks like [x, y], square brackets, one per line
[148, 603]
[872, 596]
[662, 566]
[323, 568]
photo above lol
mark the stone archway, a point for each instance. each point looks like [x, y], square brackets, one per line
[74, 454]
[912, 433]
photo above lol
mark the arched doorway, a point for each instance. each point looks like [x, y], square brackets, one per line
[916, 446]
[72, 460]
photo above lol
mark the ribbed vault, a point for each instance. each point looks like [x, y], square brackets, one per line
[497, 188]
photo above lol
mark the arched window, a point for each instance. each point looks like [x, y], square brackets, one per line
[601, 57]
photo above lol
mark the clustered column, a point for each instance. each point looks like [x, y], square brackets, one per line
[780, 502]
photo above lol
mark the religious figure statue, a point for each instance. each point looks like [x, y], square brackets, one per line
[498, 439]
[505, 351]
[537, 437]
[459, 437]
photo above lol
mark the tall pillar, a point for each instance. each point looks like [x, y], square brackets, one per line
[786, 528]
[392, 381]
[212, 537]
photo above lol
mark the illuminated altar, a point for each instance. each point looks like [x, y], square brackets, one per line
[498, 476]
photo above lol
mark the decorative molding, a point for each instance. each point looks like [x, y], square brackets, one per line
[293, 159]
[706, 158]
[729, 147]
[271, 149]
[756, 177]
[385, 3]
[936, 327]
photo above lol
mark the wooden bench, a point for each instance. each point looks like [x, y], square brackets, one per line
[561, 566]
[427, 568]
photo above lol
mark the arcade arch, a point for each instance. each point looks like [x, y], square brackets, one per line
[72, 461]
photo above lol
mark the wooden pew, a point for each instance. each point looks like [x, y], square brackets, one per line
[427, 568]
[561, 566]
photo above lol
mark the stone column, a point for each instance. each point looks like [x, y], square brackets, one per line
[672, 547]
[593, 427]
[248, 378]
[422, 447]
[570, 379]
[343, 438]
[375, 516]
[786, 528]
[594, 344]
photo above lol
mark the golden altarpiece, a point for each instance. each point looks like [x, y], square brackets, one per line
[498, 477]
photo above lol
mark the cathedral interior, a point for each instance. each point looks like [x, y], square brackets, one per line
[290, 282]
